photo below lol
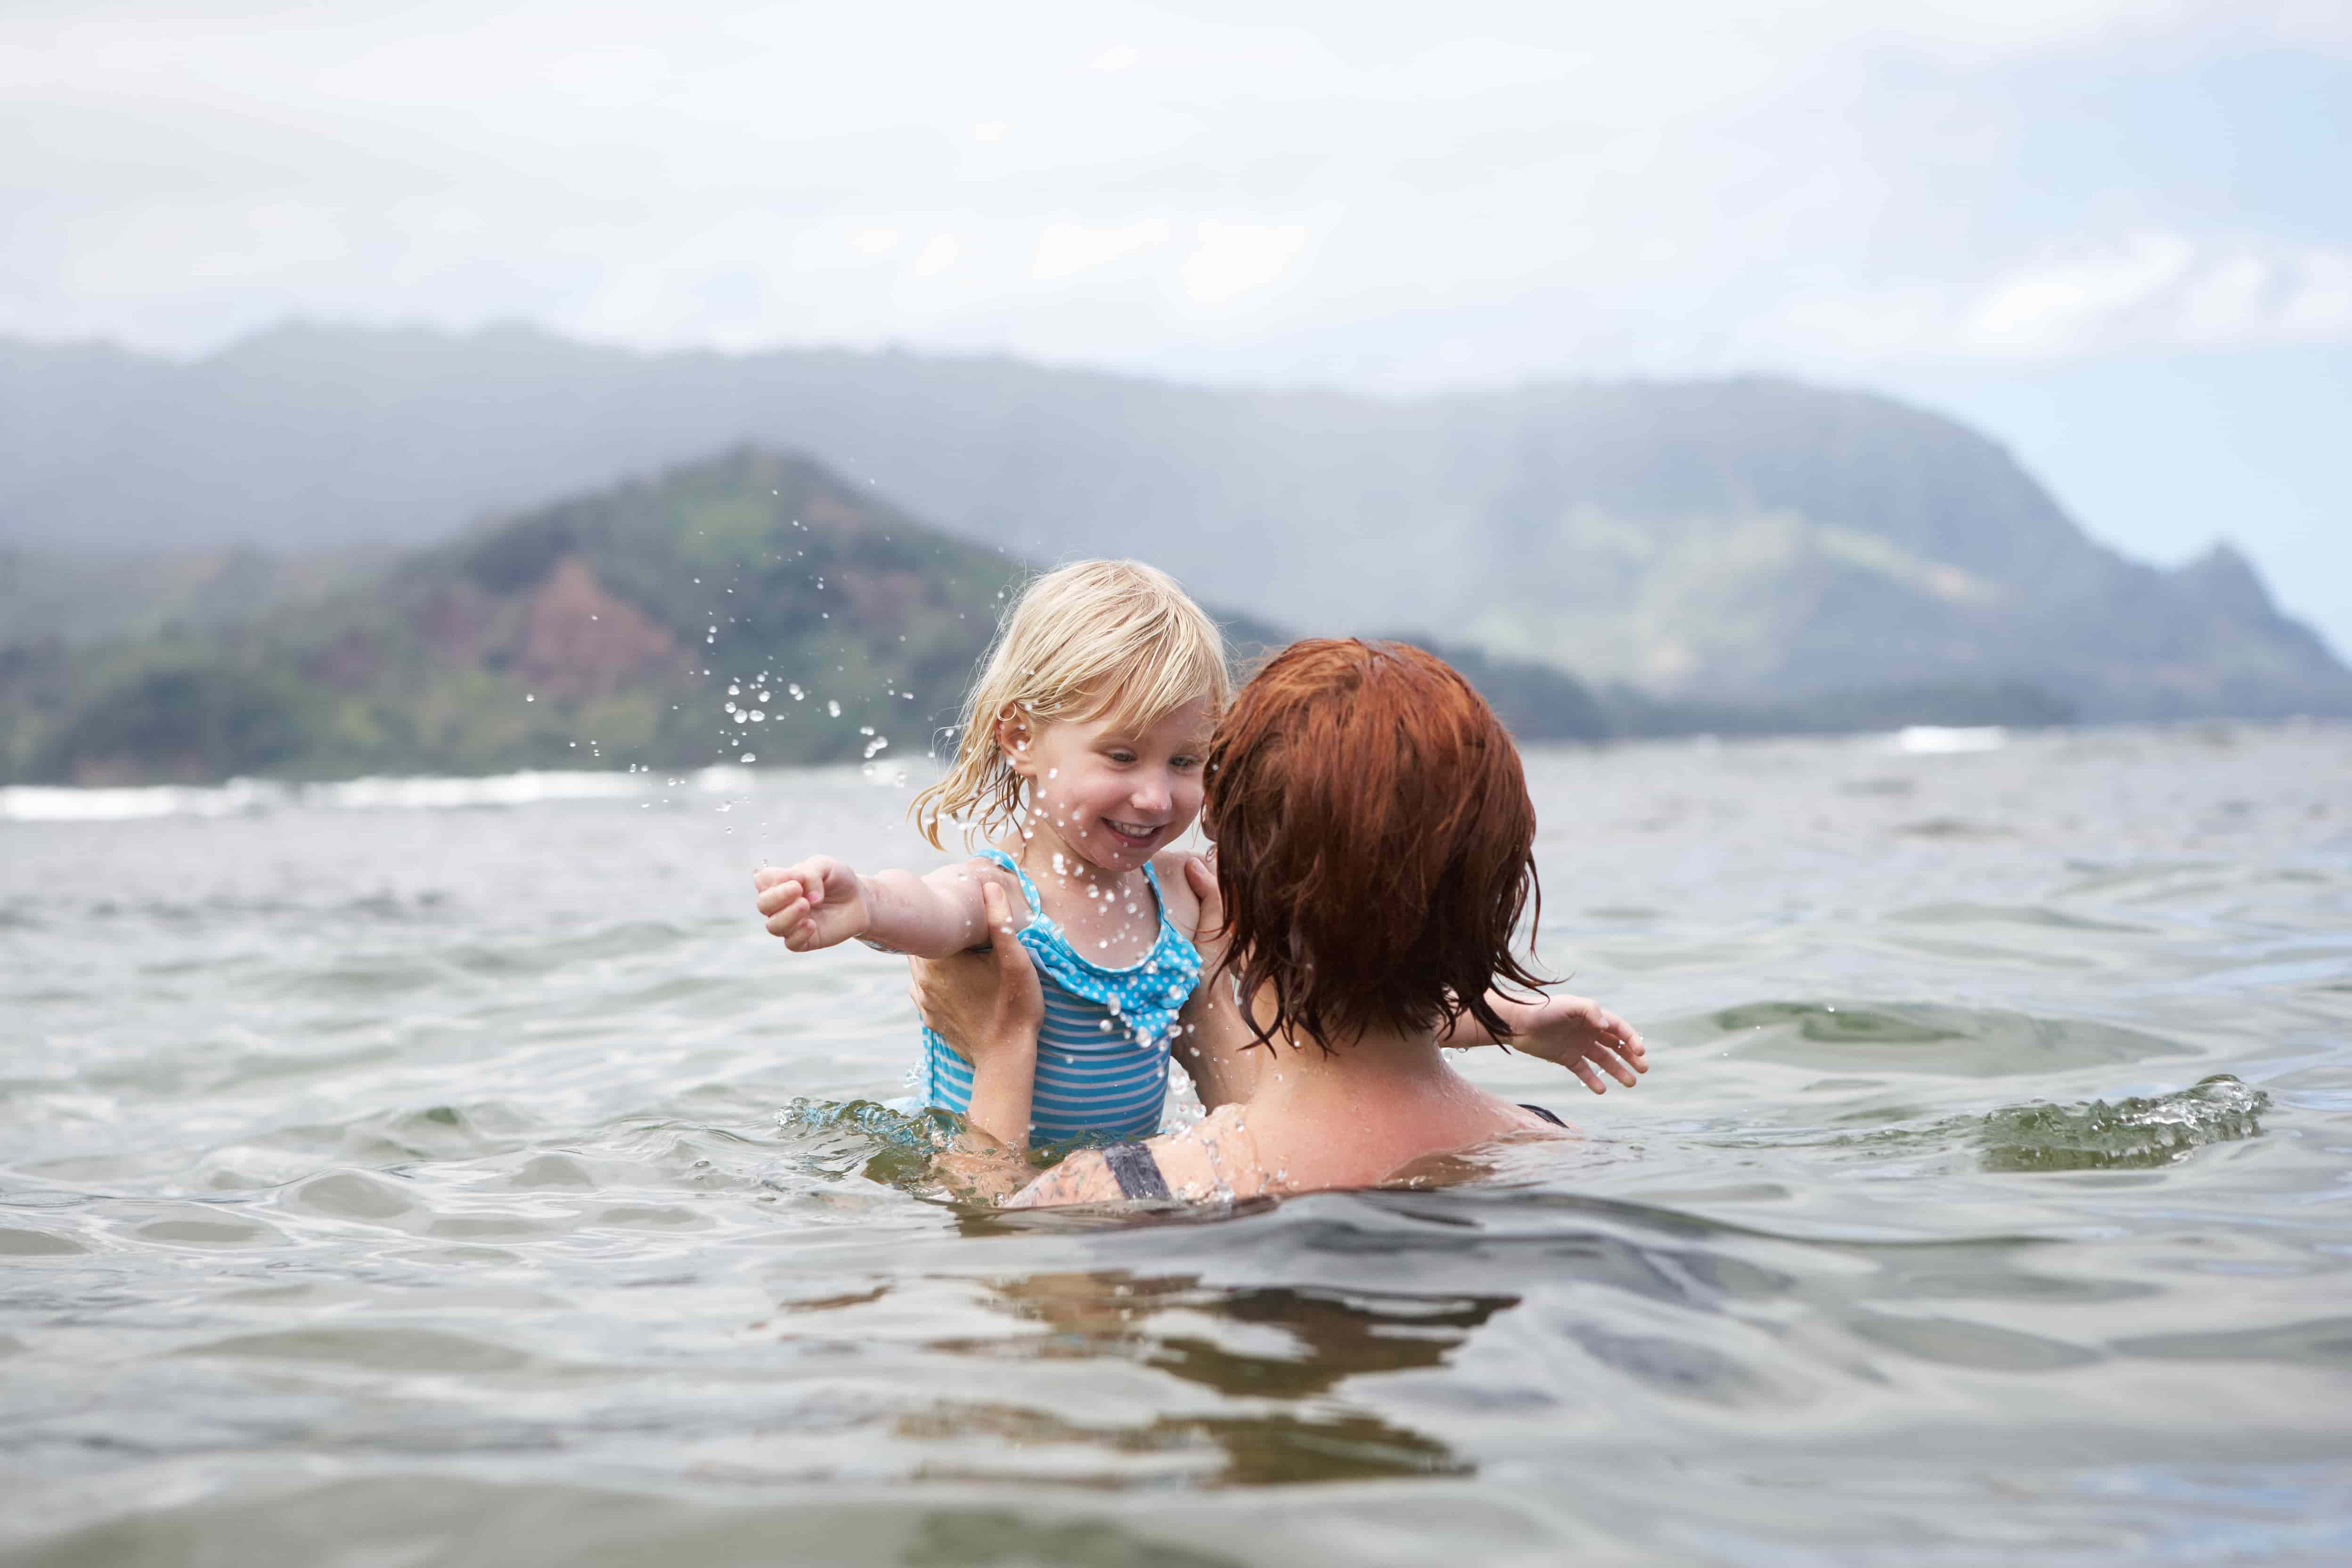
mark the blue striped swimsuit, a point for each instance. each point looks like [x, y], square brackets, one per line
[1102, 1050]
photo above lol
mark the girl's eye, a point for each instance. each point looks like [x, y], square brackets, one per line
[1123, 756]
[1184, 764]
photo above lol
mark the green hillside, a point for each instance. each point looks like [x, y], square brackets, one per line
[751, 605]
[600, 631]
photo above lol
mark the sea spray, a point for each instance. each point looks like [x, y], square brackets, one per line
[2132, 1133]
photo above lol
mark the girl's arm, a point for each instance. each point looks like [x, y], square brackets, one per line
[822, 902]
[1575, 1032]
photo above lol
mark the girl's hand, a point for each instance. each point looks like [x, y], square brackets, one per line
[1583, 1036]
[818, 903]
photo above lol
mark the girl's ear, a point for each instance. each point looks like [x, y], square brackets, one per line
[1013, 737]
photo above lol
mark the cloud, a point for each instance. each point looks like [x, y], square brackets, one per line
[2229, 301]
[2321, 303]
[279, 238]
[2047, 307]
[1236, 259]
[2163, 290]
[1677, 187]
[940, 253]
[1065, 248]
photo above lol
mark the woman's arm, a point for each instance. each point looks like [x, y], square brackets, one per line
[1084, 1178]
[989, 1004]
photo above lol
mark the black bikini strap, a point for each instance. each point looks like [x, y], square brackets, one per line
[1547, 1115]
[1138, 1173]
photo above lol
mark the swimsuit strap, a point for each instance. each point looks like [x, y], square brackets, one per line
[1038, 904]
[1136, 1171]
[1158, 898]
[1028, 888]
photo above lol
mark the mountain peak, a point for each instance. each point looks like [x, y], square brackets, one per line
[1749, 539]
[2225, 578]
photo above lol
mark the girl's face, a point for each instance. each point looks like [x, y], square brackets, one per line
[1113, 796]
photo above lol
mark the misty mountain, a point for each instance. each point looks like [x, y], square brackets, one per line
[1746, 542]
[748, 605]
[627, 627]
[88, 595]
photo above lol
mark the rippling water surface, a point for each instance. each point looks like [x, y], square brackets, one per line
[389, 1182]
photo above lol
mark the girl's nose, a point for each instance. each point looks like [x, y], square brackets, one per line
[1152, 795]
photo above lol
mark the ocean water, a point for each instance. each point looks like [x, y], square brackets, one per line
[409, 1173]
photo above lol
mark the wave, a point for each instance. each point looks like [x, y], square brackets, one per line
[1940, 740]
[238, 797]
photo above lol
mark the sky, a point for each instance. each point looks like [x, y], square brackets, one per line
[2115, 234]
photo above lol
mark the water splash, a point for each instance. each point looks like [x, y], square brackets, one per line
[2133, 1133]
[863, 1137]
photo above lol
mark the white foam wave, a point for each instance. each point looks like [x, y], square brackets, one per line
[46, 803]
[1937, 740]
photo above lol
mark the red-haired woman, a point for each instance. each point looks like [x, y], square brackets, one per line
[1374, 859]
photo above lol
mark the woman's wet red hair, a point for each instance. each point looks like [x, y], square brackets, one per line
[1375, 842]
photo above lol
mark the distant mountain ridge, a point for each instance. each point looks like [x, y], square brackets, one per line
[1744, 543]
[750, 606]
[88, 595]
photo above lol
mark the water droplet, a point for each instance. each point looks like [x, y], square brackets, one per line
[832, 709]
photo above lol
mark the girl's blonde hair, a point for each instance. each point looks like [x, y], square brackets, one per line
[1114, 637]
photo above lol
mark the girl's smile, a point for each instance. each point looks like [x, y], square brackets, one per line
[1111, 794]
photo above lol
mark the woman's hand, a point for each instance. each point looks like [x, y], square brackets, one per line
[988, 1006]
[1209, 923]
[1581, 1036]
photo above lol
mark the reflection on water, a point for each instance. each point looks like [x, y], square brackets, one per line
[1258, 1345]
[389, 1186]
[988, 1538]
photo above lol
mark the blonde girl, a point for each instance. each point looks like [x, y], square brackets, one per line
[1079, 758]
